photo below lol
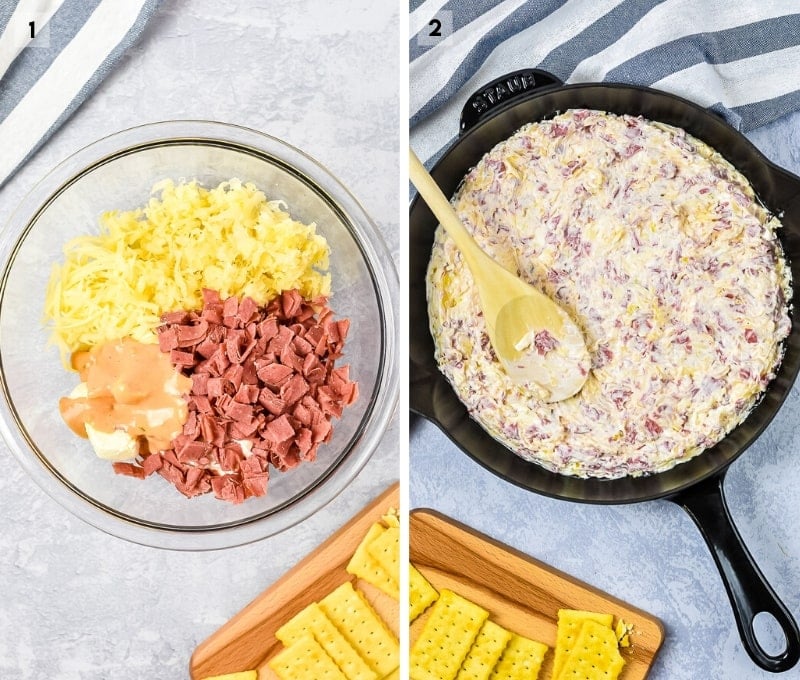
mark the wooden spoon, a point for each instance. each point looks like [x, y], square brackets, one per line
[533, 337]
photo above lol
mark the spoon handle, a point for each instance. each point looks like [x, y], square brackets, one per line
[442, 210]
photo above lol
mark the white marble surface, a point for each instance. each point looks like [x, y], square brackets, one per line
[648, 554]
[78, 604]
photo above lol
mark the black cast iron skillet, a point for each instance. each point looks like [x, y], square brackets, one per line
[494, 114]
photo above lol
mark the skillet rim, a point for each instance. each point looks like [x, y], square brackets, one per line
[431, 395]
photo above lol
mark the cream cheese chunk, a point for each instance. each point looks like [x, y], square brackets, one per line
[116, 445]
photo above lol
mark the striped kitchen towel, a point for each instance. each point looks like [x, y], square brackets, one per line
[53, 54]
[741, 57]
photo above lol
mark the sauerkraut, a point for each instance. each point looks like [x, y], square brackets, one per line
[159, 258]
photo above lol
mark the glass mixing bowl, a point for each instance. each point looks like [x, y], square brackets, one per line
[118, 172]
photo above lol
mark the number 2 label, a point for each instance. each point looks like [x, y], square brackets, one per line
[438, 28]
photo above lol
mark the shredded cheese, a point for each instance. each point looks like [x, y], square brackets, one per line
[156, 259]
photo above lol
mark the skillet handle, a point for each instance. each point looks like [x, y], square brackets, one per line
[501, 90]
[748, 590]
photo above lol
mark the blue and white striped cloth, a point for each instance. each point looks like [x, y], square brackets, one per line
[741, 57]
[45, 78]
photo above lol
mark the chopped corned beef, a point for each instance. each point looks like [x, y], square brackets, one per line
[264, 390]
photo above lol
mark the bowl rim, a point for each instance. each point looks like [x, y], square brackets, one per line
[385, 281]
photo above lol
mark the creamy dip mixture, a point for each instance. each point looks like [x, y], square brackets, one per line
[662, 254]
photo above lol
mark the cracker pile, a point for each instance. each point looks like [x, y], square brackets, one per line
[342, 637]
[313, 620]
[587, 646]
[421, 594]
[377, 558]
[305, 658]
[485, 651]
[459, 641]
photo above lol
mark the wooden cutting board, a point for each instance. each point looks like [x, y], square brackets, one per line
[520, 593]
[247, 641]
